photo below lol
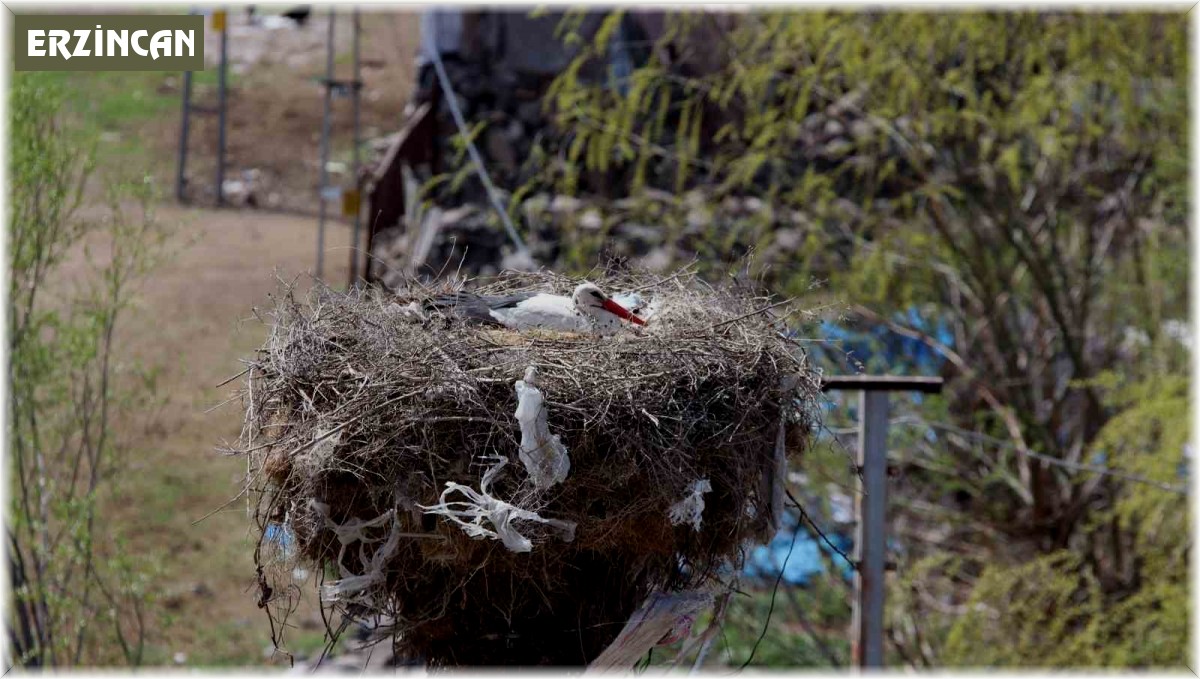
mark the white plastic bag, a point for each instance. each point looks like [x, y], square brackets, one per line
[480, 506]
[543, 454]
[350, 532]
[691, 508]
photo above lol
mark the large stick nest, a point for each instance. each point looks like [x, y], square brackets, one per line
[359, 410]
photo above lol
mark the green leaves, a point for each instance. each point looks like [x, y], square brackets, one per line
[63, 382]
[1009, 163]
[1026, 616]
[1050, 612]
[1020, 177]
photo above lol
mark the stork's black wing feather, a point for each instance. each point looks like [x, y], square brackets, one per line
[474, 307]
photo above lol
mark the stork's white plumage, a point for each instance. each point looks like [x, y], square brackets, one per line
[588, 309]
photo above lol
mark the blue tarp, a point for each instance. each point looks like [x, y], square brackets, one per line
[879, 349]
[765, 561]
[874, 349]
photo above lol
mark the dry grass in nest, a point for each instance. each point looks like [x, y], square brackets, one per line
[359, 409]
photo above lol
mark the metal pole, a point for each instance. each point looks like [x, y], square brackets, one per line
[870, 543]
[870, 535]
[325, 125]
[183, 136]
[221, 75]
[357, 93]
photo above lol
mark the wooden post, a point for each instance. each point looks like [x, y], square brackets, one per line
[414, 144]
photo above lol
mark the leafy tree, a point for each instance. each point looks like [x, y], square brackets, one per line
[77, 598]
[1019, 177]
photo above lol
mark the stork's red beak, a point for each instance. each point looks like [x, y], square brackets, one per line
[621, 312]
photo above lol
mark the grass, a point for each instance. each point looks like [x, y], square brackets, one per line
[201, 600]
[110, 107]
[201, 570]
[111, 100]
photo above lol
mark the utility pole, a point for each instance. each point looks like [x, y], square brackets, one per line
[870, 535]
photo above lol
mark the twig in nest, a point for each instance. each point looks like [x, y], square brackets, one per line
[754, 313]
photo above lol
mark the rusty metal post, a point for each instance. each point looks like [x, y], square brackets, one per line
[870, 542]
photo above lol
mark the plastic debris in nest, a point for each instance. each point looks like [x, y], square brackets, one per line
[281, 536]
[353, 531]
[279, 545]
[691, 508]
[482, 506]
[543, 454]
[375, 552]
[322, 447]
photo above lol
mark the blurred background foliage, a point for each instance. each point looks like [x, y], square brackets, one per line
[997, 197]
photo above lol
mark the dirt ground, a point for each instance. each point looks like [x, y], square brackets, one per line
[193, 320]
[276, 102]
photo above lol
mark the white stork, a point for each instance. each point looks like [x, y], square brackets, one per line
[588, 309]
